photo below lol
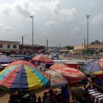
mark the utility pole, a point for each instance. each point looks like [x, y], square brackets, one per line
[84, 43]
[87, 16]
[22, 43]
[32, 17]
[47, 45]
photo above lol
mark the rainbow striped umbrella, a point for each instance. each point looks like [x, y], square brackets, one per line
[22, 75]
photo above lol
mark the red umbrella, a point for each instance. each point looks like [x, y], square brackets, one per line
[42, 58]
[71, 74]
[101, 63]
[58, 66]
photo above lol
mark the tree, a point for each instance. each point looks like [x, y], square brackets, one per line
[95, 42]
[69, 47]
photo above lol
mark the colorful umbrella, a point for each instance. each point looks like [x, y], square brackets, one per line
[71, 74]
[56, 79]
[22, 75]
[6, 59]
[42, 58]
[94, 66]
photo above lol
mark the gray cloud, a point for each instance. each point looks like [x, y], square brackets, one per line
[67, 14]
[51, 24]
[27, 8]
[5, 27]
[97, 20]
[5, 8]
[63, 14]
[92, 2]
[48, 27]
[22, 11]
[75, 30]
[53, 18]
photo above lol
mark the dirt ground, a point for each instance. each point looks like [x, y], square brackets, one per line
[4, 95]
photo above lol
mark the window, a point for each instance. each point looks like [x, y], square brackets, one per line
[1, 46]
[8, 46]
[14, 46]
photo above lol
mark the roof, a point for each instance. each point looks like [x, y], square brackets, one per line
[10, 41]
[27, 45]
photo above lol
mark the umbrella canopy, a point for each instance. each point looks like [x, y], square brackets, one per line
[71, 74]
[56, 79]
[58, 66]
[22, 75]
[94, 66]
[42, 58]
[101, 63]
[6, 59]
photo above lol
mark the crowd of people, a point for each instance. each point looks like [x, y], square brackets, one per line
[61, 96]
[81, 94]
[50, 96]
[93, 81]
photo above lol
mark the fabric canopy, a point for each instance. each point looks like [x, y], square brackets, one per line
[6, 59]
[22, 75]
[42, 58]
[58, 66]
[71, 74]
[95, 66]
[56, 79]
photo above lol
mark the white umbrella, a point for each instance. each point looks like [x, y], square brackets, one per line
[56, 79]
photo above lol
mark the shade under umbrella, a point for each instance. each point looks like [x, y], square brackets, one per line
[42, 58]
[56, 79]
[22, 75]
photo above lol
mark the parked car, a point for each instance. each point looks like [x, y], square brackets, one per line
[17, 57]
[28, 57]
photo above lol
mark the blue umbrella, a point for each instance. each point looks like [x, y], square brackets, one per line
[93, 66]
[6, 59]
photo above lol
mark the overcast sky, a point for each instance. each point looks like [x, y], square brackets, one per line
[62, 22]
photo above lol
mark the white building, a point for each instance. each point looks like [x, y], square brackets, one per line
[80, 47]
[9, 45]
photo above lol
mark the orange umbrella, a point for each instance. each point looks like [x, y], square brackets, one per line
[42, 58]
[69, 73]
[58, 66]
[101, 62]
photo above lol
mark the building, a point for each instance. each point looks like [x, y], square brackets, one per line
[8, 46]
[80, 47]
[30, 49]
[90, 47]
[16, 47]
